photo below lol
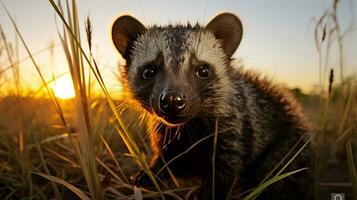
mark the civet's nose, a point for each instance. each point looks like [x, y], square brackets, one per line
[172, 103]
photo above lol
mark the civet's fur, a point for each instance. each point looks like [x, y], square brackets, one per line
[258, 123]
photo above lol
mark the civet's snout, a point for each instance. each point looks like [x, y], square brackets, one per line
[172, 103]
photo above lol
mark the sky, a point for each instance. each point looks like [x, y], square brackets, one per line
[277, 42]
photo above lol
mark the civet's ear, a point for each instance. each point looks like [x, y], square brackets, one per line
[227, 28]
[124, 32]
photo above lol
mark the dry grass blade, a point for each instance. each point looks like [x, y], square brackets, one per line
[184, 152]
[109, 172]
[330, 82]
[287, 155]
[214, 157]
[13, 65]
[8, 67]
[296, 154]
[138, 195]
[50, 139]
[351, 166]
[62, 157]
[54, 186]
[109, 150]
[88, 28]
[74, 189]
[262, 187]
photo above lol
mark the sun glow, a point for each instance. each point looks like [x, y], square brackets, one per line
[63, 88]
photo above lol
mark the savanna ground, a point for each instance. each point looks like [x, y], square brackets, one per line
[84, 148]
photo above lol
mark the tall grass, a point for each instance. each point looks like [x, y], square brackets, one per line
[85, 152]
[50, 92]
[71, 27]
[327, 32]
[76, 57]
[339, 99]
[13, 57]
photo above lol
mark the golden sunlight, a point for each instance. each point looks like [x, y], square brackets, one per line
[63, 87]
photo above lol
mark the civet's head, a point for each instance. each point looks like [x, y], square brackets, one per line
[179, 72]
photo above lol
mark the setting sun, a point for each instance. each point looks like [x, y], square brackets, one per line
[63, 87]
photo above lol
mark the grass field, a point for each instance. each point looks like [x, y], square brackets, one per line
[88, 147]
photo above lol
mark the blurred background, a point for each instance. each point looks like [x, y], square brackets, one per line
[278, 35]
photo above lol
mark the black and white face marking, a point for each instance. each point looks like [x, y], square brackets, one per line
[179, 72]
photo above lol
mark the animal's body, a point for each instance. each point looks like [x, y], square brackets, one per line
[183, 76]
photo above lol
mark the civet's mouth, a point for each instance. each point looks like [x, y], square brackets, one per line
[173, 121]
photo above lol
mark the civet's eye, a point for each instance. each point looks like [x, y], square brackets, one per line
[203, 71]
[149, 72]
